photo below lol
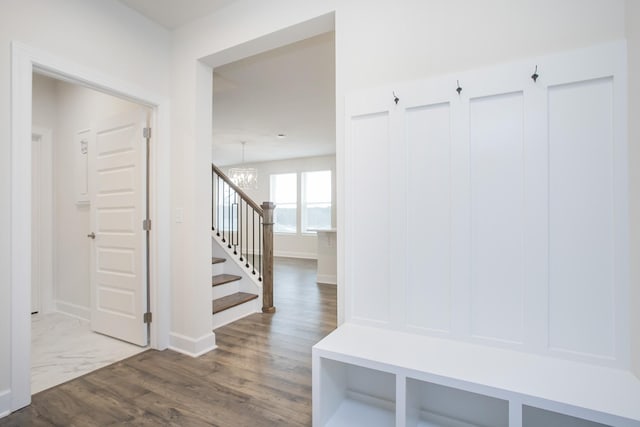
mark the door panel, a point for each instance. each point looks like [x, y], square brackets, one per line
[118, 174]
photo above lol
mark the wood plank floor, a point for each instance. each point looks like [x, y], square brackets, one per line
[260, 375]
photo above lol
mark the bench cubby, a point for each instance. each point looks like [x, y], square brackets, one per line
[365, 376]
[355, 395]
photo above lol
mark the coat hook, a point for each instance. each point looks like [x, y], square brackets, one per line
[395, 98]
[535, 75]
[458, 89]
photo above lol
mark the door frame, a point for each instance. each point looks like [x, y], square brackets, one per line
[24, 61]
[44, 205]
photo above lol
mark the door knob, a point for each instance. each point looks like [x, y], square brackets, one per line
[92, 235]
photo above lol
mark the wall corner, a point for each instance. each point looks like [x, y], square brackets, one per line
[194, 347]
[5, 403]
[632, 32]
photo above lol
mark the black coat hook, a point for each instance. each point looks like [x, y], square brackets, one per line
[395, 98]
[535, 75]
[458, 89]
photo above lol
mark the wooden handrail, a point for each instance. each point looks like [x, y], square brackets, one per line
[237, 189]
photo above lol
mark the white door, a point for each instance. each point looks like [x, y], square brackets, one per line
[117, 181]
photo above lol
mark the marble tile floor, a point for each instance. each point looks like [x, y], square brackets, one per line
[64, 347]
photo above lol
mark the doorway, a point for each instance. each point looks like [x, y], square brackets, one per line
[24, 61]
[67, 304]
[278, 107]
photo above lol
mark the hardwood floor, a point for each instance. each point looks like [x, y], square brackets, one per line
[260, 375]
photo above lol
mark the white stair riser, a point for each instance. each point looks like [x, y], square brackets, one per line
[217, 268]
[226, 289]
[235, 313]
[249, 282]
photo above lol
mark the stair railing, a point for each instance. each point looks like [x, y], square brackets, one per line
[247, 228]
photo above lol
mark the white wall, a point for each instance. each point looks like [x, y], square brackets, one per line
[386, 41]
[44, 102]
[292, 245]
[67, 109]
[633, 49]
[99, 34]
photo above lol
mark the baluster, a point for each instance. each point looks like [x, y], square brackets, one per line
[240, 227]
[247, 233]
[260, 255]
[253, 241]
[213, 198]
[218, 206]
[223, 216]
[230, 228]
[235, 218]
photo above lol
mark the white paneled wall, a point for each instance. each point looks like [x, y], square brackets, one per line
[514, 230]
[428, 138]
[371, 136]
[581, 225]
[496, 145]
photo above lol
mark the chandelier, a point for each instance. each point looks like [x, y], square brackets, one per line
[244, 178]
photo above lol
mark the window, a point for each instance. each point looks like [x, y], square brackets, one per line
[316, 200]
[284, 193]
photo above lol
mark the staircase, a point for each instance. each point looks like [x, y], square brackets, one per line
[242, 249]
[232, 298]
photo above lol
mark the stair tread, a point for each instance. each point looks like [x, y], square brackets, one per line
[215, 260]
[221, 279]
[232, 300]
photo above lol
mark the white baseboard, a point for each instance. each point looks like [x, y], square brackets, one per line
[74, 310]
[329, 279]
[5, 403]
[192, 347]
[289, 254]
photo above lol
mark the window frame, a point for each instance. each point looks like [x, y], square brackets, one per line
[304, 204]
[295, 203]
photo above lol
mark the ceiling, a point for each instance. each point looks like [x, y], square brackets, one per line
[173, 13]
[289, 90]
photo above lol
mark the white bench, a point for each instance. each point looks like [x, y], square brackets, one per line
[365, 376]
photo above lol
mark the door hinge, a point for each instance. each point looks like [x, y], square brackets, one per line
[147, 317]
[146, 133]
[146, 225]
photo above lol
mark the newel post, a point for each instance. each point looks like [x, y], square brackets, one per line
[267, 253]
